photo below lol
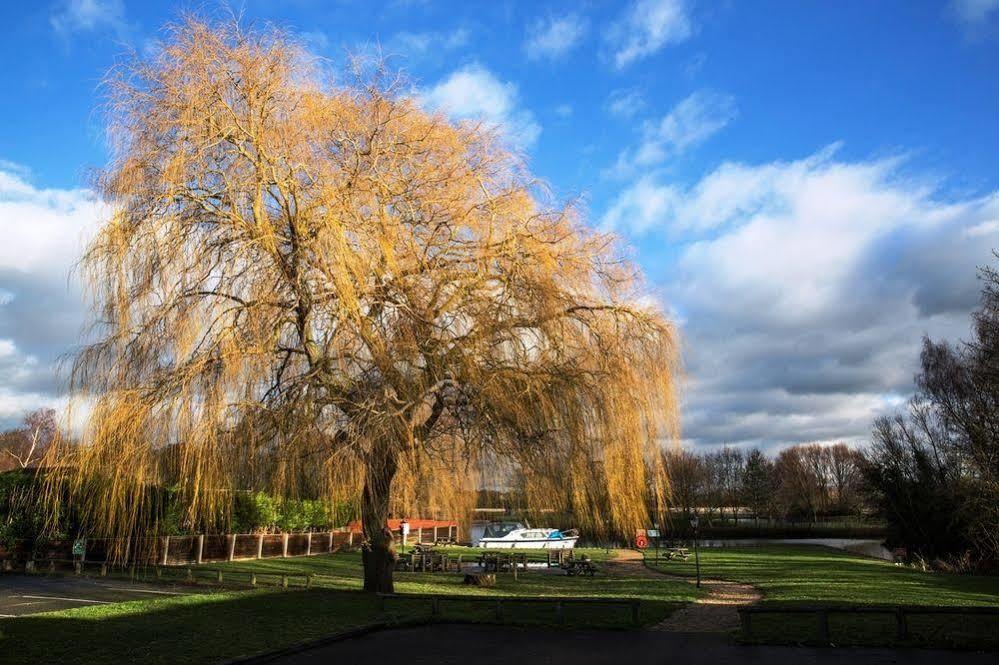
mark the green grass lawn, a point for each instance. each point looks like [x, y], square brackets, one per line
[342, 571]
[789, 576]
[812, 574]
[221, 625]
[202, 628]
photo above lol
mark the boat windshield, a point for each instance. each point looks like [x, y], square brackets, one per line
[501, 529]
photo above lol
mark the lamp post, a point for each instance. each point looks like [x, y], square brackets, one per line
[697, 554]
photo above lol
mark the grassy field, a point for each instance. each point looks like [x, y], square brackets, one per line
[218, 626]
[203, 628]
[791, 576]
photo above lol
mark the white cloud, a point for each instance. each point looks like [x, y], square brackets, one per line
[806, 287]
[974, 14]
[474, 93]
[646, 27]
[563, 110]
[694, 120]
[419, 43]
[87, 15]
[554, 38]
[41, 306]
[626, 103]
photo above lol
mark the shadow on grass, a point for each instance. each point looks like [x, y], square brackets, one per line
[204, 628]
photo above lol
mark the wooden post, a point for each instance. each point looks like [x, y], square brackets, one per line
[350, 539]
[900, 623]
[166, 550]
[331, 541]
[260, 545]
[823, 626]
[435, 534]
[284, 581]
[745, 618]
[308, 581]
[232, 546]
[253, 579]
[419, 535]
[513, 567]
[308, 546]
[219, 573]
[201, 549]
[284, 544]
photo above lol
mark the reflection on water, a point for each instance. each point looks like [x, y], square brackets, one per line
[866, 547]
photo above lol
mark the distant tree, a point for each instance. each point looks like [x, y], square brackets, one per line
[24, 446]
[758, 485]
[305, 273]
[935, 470]
[846, 478]
[688, 478]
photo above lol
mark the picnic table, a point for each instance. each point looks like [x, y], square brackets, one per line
[581, 566]
[681, 553]
[425, 559]
[502, 561]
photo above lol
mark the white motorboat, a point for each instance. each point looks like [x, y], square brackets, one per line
[517, 536]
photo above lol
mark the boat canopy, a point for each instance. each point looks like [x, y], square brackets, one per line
[501, 529]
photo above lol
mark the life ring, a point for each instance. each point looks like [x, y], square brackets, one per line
[641, 542]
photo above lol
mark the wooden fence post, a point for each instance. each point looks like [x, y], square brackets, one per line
[823, 626]
[308, 546]
[232, 546]
[350, 539]
[419, 535]
[284, 544]
[331, 542]
[201, 549]
[260, 545]
[435, 534]
[747, 627]
[166, 550]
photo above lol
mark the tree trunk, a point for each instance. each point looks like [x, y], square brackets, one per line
[378, 553]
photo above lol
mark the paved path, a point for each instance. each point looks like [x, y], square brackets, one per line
[444, 644]
[716, 612]
[30, 594]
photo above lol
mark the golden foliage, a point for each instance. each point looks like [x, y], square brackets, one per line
[308, 278]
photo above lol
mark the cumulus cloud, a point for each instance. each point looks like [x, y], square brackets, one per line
[554, 37]
[805, 288]
[646, 27]
[41, 309]
[692, 121]
[474, 93]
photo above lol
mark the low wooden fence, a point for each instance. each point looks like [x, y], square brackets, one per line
[196, 549]
[821, 614]
[187, 575]
[499, 603]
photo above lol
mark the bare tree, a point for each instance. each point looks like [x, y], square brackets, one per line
[306, 273]
[25, 446]
[687, 479]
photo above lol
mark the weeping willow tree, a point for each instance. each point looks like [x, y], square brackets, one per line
[306, 275]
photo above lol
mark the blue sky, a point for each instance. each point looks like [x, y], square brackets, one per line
[809, 186]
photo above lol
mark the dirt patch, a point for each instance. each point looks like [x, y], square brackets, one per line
[716, 612]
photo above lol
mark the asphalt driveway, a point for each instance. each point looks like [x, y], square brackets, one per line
[444, 644]
[30, 594]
